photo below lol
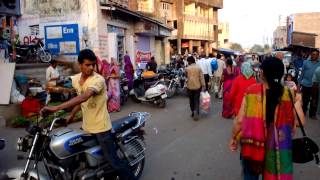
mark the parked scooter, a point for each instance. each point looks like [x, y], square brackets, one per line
[155, 94]
[73, 154]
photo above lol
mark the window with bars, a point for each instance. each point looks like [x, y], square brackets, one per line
[165, 6]
[34, 30]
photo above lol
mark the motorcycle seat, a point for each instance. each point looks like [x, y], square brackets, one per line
[122, 124]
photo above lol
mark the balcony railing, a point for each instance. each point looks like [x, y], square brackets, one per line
[213, 3]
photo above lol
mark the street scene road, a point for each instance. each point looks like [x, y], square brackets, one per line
[179, 148]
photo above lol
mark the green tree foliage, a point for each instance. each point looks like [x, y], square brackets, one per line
[256, 48]
[236, 47]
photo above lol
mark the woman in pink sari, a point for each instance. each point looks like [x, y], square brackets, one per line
[228, 76]
[103, 68]
[113, 87]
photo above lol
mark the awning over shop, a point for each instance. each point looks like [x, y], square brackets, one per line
[293, 47]
[228, 51]
[162, 30]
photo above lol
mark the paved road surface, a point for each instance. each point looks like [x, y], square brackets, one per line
[179, 148]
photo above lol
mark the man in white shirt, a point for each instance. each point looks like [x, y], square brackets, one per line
[204, 64]
[217, 76]
[52, 74]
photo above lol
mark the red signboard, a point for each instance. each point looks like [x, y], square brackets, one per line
[143, 56]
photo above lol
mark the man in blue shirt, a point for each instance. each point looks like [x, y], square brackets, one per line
[316, 87]
[308, 68]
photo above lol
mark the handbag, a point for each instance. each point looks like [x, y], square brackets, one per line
[304, 149]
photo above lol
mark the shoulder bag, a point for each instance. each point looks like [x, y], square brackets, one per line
[304, 149]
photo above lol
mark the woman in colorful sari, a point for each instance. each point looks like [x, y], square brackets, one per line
[267, 120]
[128, 69]
[244, 80]
[103, 68]
[113, 86]
[228, 76]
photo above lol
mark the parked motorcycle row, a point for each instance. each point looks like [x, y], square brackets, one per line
[35, 51]
[154, 90]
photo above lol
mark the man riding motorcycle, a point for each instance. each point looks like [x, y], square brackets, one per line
[91, 99]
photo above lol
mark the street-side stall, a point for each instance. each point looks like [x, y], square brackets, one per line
[34, 86]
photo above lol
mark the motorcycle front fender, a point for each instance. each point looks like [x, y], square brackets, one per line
[15, 173]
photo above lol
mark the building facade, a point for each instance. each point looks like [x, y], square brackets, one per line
[108, 27]
[194, 22]
[280, 37]
[304, 24]
[223, 35]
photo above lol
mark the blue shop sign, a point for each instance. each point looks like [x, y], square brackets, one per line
[62, 39]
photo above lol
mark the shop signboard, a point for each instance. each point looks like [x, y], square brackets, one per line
[143, 56]
[10, 7]
[62, 39]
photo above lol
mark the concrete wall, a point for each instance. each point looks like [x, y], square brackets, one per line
[83, 13]
[309, 23]
[280, 37]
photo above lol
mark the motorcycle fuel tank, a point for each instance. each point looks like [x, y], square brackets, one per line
[67, 142]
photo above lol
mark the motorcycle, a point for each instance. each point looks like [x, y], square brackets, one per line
[174, 80]
[73, 154]
[35, 50]
[152, 92]
[124, 90]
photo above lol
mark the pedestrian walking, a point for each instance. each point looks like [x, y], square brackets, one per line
[316, 89]
[195, 83]
[114, 86]
[308, 68]
[205, 65]
[288, 81]
[241, 83]
[217, 76]
[265, 124]
[228, 76]
[128, 70]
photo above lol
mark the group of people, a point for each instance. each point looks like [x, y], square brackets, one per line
[268, 113]
[111, 73]
[265, 111]
[266, 108]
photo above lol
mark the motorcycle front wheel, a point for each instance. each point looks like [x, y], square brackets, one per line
[138, 168]
[44, 56]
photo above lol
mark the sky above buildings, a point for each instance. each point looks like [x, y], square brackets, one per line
[253, 21]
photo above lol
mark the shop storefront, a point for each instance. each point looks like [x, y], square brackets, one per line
[8, 28]
[117, 35]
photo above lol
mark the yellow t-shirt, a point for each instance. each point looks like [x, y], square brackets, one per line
[96, 118]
